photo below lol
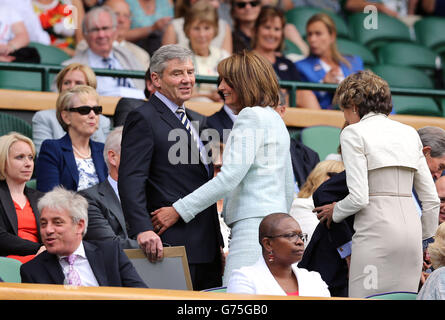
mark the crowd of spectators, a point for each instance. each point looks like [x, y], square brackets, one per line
[245, 223]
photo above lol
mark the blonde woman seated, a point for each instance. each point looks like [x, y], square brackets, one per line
[19, 216]
[276, 271]
[434, 287]
[74, 161]
[303, 205]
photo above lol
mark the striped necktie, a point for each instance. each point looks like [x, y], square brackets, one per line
[187, 124]
[121, 82]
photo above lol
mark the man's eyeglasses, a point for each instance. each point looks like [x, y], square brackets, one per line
[84, 110]
[242, 5]
[95, 30]
[292, 236]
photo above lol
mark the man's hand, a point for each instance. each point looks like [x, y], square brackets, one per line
[324, 213]
[151, 244]
[164, 218]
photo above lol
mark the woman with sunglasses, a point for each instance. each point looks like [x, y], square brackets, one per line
[276, 271]
[44, 122]
[74, 161]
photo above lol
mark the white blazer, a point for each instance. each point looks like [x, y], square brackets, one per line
[256, 176]
[257, 279]
[377, 142]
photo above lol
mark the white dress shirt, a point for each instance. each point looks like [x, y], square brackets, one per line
[82, 266]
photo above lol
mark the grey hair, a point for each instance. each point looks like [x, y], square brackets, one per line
[113, 142]
[61, 199]
[433, 137]
[94, 13]
[158, 61]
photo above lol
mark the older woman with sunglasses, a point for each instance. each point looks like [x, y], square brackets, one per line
[276, 271]
[74, 161]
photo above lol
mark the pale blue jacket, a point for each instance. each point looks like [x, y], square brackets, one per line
[256, 178]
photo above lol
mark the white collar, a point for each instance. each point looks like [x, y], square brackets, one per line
[80, 251]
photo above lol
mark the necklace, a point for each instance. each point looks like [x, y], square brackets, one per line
[84, 156]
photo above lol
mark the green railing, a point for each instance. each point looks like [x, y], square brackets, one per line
[46, 70]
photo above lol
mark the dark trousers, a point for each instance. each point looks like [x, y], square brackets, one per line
[206, 275]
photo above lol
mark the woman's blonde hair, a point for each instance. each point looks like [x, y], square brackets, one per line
[90, 76]
[65, 100]
[253, 79]
[201, 11]
[332, 29]
[437, 248]
[319, 175]
[6, 142]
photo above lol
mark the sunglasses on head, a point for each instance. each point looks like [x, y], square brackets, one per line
[241, 5]
[84, 110]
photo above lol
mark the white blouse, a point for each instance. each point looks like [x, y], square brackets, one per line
[87, 173]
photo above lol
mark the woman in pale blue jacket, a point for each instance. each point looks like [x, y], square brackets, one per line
[256, 177]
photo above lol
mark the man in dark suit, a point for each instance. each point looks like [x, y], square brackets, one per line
[68, 259]
[328, 252]
[161, 162]
[221, 121]
[105, 217]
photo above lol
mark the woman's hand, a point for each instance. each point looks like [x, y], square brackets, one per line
[324, 213]
[164, 218]
[333, 76]
[41, 249]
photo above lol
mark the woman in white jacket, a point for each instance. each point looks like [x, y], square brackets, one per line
[383, 160]
[276, 271]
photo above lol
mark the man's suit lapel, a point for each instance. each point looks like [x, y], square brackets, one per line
[226, 120]
[109, 197]
[96, 261]
[53, 267]
[174, 123]
[8, 205]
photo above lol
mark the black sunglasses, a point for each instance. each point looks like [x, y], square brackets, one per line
[84, 110]
[241, 5]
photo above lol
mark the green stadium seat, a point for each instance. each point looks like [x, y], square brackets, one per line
[291, 48]
[20, 80]
[322, 139]
[10, 270]
[388, 29]
[10, 123]
[421, 106]
[396, 295]
[299, 16]
[349, 47]
[429, 32]
[32, 184]
[50, 54]
[410, 55]
[406, 77]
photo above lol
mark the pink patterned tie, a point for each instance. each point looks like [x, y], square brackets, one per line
[72, 277]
